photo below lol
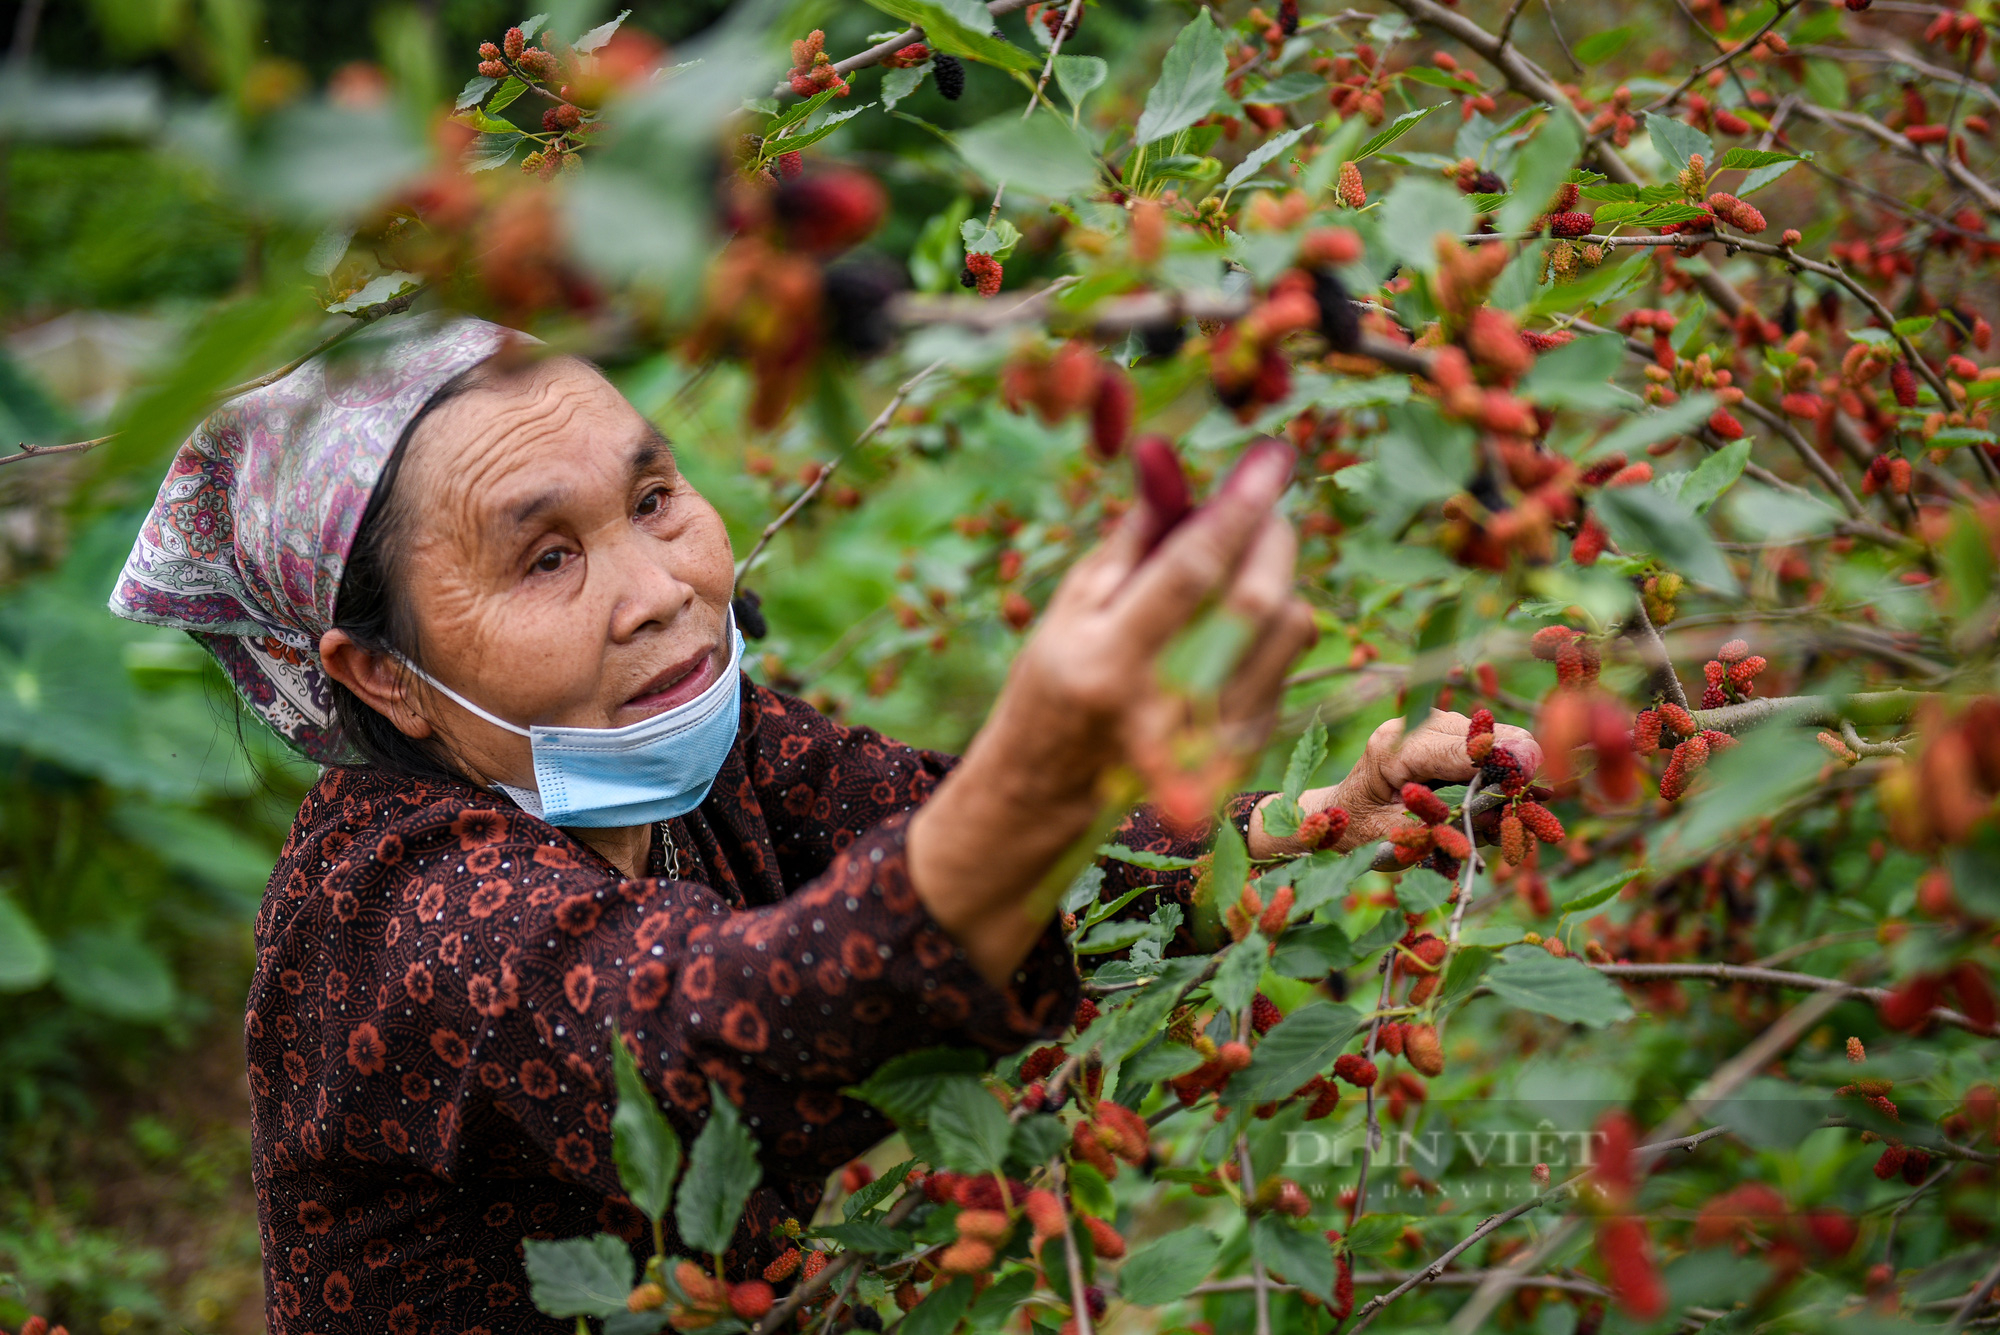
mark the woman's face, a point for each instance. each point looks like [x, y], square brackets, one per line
[560, 568]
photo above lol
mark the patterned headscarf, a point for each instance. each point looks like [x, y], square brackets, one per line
[245, 545]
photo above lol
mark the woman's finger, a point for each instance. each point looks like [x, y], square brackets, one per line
[1284, 627]
[1200, 556]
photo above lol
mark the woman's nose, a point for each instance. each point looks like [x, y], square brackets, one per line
[645, 590]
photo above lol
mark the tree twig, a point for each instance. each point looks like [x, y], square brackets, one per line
[875, 54]
[1805, 982]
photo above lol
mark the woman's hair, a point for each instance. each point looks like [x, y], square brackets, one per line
[373, 609]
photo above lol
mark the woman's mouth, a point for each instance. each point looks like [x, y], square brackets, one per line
[677, 685]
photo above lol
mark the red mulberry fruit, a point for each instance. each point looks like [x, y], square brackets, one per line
[982, 272]
[1743, 217]
[1263, 1013]
[1425, 805]
[1355, 1069]
[1513, 839]
[1540, 821]
[1646, 732]
[1569, 224]
[1903, 383]
[1352, 192]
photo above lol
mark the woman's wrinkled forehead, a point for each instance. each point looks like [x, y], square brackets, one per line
[519, 446]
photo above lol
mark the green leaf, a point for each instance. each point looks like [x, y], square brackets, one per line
[1530, 978]
[1308, 754]
[647, 1151]
[1296, 1249]
[1646, 521]
[1165, 1269]
[938, 1313]
[1080, 76]
[1298, 1047]
[1601, 892]
[601, 34]
[1263, 153]
[1139, 857]
[1289, 87]
[1385, 930]
[1754, 181]
[1436, 78]
[1327, 875]
[989, 1312]
[1676, 142]
[1281, 816]
[114, 973]
[936, 259]
[1230, 871]
[970, 1127]
[997, 239]
[898, 84]
[381, 288]
[1714, 475]
[1235, 981]
[945, 31]
[1642, 214]
[1544, 163]
[1422, 890]
[722, 1172]
[1467, 967]
[1374, 1233]
[865, 1236]
[904, 1087]
[475, 91]
[1643, 429]
[1036, 1140]
[25, 959]
[489, 151]
[1190, 80]
[1091, 1192]
[1391, 132]
[874, 1193]
[531, 26]
[579, 1276]
[510, 93]
[1749, 158]
[1037, 156]
[1602, 46]
[1123, 1029]
[1914, 327]
[1312, 950]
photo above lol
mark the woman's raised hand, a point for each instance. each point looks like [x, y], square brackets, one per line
[1084, 694]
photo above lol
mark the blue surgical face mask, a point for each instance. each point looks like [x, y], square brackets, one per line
[649, 771]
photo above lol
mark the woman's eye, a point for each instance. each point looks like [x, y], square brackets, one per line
[549, 561]
[652, 503]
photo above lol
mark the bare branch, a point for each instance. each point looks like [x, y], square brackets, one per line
[1750, 973]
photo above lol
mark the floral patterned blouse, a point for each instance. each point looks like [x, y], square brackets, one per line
[439, 974]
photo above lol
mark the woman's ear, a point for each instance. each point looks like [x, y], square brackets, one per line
[377, 680]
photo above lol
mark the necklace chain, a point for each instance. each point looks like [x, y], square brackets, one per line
[673, 851]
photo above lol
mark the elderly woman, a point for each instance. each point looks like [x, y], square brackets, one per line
[472, 584]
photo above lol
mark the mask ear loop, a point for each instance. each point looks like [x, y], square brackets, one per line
[460, 700]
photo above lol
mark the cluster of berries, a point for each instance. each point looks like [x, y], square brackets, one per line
[982, 273]
[1051, 15]
[1074, 378]
[1436, 837]
[1359, 81]
[1909, 1006]
[1616, 119]
[1703, 116]
[699, 1299]
[1754, 1214]
[1672, 728]
[812, 69]
[1250, 911]
[1731, 676]
[537, 63]
[1417, 1044]
[1247, 366]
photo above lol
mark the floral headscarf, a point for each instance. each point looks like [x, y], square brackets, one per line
[245, 545]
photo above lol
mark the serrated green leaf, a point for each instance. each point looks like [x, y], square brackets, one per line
[1714, 475]
[1298, 1047]
[1080, 76]
[1039, 155]
[1235, 981]
[1676, 141]
[1190, 79]
[1390, 133]
[510, 93]
[1139, 857]
[1566, 989]
[1288, 87]
[1646, 521]
[1916, 326]
[475, 91]
[865, 1236]
[939, 1312]
[602, 33]
[1467, 967]
[1746, 159]
[970, 1127]
[1312, 950]
[1543, 165]
[945, 31]
[1265, 152]
[1326, 876]
[1165, 1269]
[874, 1193]
[1295, 1249]
[1601, 892]
[1308, 754]
[904, 1086]
[579, 1276]
[722, 1172]
[1645, 428]
[898, 84]
[1422, 890]
[1281, 816]
[645, 1148]
[1373, 1233]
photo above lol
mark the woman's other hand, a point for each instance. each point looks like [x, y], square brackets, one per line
[1083, 695]
[1371, 794]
